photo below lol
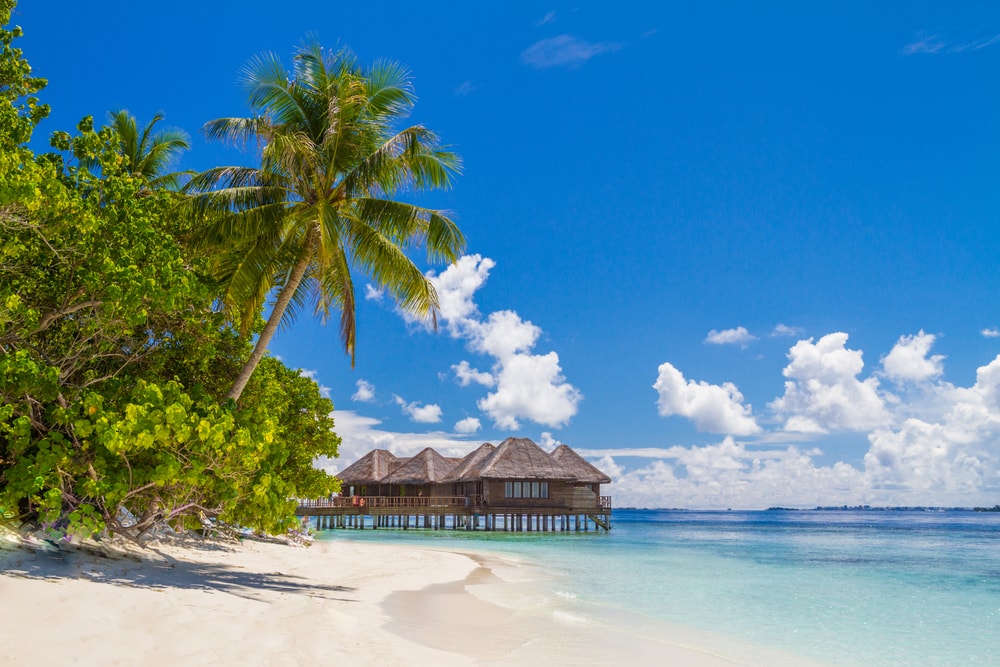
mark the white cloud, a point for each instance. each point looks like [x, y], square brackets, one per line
[713, 408]
[738, 336]
[929, 44]
[548, 442]
[782, 330]
[924, 43]
[563, 50]
[466, 375]
[908, 360]
[324, 391]
[548, 18]
[468, 425]
[503, 335]
[365, 392]
[991, 333]
[948, 455]
[456, 286]
[531, 386]
[373, 293]
[423, 414]
[466, 88]
[934, 444]
[527, 385]
[823, 391]
[728, 475]
[360, 434]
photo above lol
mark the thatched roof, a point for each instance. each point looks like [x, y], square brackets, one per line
[370, 468]
[520, 458]
[467, 469]
[579, 467]
[426, 467]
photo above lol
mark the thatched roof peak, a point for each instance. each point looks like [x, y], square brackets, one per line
[581, 469]
[371, 467]
[426, 467]
[468, 468]
[520, 458]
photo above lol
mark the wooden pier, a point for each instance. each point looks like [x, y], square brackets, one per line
[454, 513]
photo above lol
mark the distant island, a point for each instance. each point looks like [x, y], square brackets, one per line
[869, 508]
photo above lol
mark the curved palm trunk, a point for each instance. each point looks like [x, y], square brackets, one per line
[298, 271]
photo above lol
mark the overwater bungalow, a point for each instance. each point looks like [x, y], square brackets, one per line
[587, 479]
[364, 476]
[419, 476]
[464, 477]
[513, 486]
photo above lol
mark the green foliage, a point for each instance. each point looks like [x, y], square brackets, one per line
[282, 402]
[114, 358]
[149, 154]
[20, 111]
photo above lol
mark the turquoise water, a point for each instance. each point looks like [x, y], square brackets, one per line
[840, 587]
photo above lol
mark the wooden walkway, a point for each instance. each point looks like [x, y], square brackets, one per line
[452, 513]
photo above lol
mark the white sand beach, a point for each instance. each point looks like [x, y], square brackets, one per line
[195, 602]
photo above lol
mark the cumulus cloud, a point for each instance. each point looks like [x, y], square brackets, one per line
[373, 293]
[563, 50]
[548, 442]
[365, 392]
[456, 286]
[531, 386]
[466, 375]
[823, 391]
[738, 336]
[991, 333]
[908, 360]
[527, 385]
[712, 408]
[423, 414]
[468, 425]
[951, 454]
[933, 444]
[728, 475]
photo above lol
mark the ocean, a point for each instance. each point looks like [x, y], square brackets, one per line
[842, 588]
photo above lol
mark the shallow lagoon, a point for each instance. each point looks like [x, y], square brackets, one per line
[840, 587]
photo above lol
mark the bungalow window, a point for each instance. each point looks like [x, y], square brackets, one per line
[526, 489]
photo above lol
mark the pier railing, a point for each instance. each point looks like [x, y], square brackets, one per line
[393, 502]
[418, 502]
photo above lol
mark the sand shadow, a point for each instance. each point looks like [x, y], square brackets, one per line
[156, 570]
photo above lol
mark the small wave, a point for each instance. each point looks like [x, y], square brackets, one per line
[567, 618]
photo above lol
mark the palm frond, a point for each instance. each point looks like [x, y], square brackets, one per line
[322, 202]
[389, 90]
[391, 269]
[238, 131]
[336, 291]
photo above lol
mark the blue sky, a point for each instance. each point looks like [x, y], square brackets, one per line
[738, 256]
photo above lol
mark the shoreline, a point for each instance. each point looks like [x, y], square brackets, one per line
[206, 602]
[507, 622]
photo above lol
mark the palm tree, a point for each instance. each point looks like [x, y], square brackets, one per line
[149, 155]
[322, 202]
